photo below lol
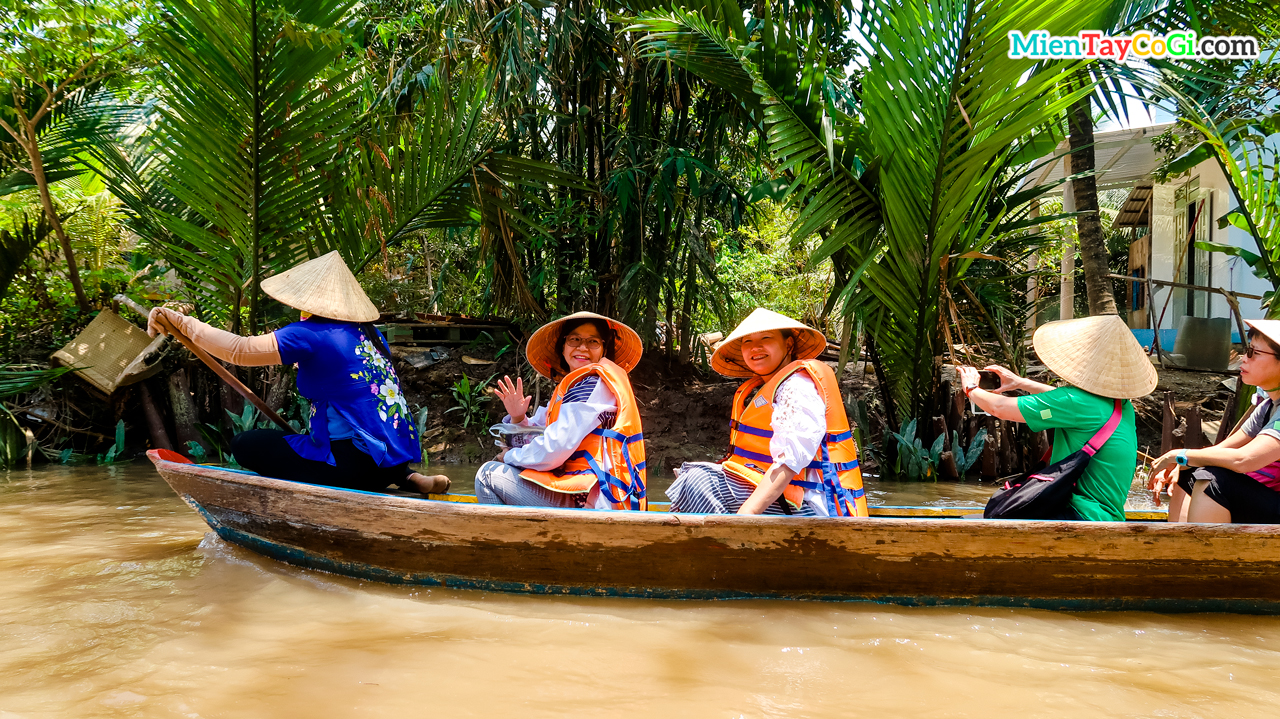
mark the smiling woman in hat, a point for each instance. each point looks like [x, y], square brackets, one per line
[1238, 479]
[362, 436]
[592, 451]
[792, 449]
[1103, 364]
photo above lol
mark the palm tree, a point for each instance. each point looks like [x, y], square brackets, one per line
[1194, 80]
[271, 148]
[903, 184]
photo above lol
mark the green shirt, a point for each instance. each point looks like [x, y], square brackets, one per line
[1076, 416]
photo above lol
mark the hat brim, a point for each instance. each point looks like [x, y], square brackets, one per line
[541, 348]
[1099, 355]
[1267, 328]
[727, 357]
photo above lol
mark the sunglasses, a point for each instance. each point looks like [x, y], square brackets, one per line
[1250, 352]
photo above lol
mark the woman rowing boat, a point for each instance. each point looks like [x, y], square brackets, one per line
[592, 452]
[362, 435]
[793, 451]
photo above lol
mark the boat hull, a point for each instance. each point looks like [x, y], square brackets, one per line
[1058, 565]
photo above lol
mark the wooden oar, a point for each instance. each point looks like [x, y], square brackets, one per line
[214, 365]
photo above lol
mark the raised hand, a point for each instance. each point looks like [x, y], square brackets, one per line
[513, 398]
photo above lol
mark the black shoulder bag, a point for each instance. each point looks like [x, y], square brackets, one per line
[1047, 493]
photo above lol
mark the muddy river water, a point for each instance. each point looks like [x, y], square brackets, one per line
[117, 602]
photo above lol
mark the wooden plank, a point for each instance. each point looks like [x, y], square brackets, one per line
[1194, 438]
[447, 325]
[1181, 285]
[990, 450]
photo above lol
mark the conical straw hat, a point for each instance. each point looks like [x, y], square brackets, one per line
[727, 359]
[325, 287]
[1269, 328]
[1097, 354]
[541, 350]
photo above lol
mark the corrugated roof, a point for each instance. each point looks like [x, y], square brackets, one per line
[1136, 210]
[1123, 158]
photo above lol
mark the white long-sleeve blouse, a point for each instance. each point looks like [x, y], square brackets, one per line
[799, 427]
[588, 404]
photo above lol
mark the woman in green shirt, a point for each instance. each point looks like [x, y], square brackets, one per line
[1102, 362]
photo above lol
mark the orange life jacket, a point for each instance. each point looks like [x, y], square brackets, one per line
[837, 457]
[622, 483]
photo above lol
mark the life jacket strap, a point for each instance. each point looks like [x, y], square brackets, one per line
[767, 433]
[613, 488]
[815, 464]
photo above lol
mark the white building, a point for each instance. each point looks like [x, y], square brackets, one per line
[1166, 221]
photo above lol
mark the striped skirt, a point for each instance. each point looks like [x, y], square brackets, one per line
[704, 488]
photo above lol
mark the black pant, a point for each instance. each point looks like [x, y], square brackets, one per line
[264, 451]
[1248, 500]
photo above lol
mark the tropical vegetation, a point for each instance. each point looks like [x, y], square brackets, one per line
[865, 167]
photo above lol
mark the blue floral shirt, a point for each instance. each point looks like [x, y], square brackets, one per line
[346, 378]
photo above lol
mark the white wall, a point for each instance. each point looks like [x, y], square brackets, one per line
[1237, 275]
[1231, 273]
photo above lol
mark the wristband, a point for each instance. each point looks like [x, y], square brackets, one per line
[1181, 458]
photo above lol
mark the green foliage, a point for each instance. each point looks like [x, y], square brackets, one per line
[246, 420]
[115, 453]
[916, 462]
[760, 267]
[214, 437]
[472, 400]
[257, 105]
[13, 441]
[271, 150]
[16, 246]
[966, 459]
[17, 381]
[859, 417]
[1246, 151]
[907, 186]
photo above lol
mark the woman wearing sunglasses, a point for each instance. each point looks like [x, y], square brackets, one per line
[1238, 479]
[591, 454]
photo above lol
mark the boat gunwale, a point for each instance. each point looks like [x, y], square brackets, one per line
[339, 495]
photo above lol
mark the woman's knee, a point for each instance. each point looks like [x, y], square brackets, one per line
[490, 479]
[698, 479]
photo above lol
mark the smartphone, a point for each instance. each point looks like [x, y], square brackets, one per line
[988, 379]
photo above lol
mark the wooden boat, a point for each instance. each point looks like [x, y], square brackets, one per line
[911, 556]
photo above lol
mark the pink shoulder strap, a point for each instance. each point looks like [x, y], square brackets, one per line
[1104, 434]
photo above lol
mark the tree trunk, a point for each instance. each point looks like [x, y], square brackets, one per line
[686, 312]
[185, 423]
[46, 201]
[155, 420]
[1093, 247]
